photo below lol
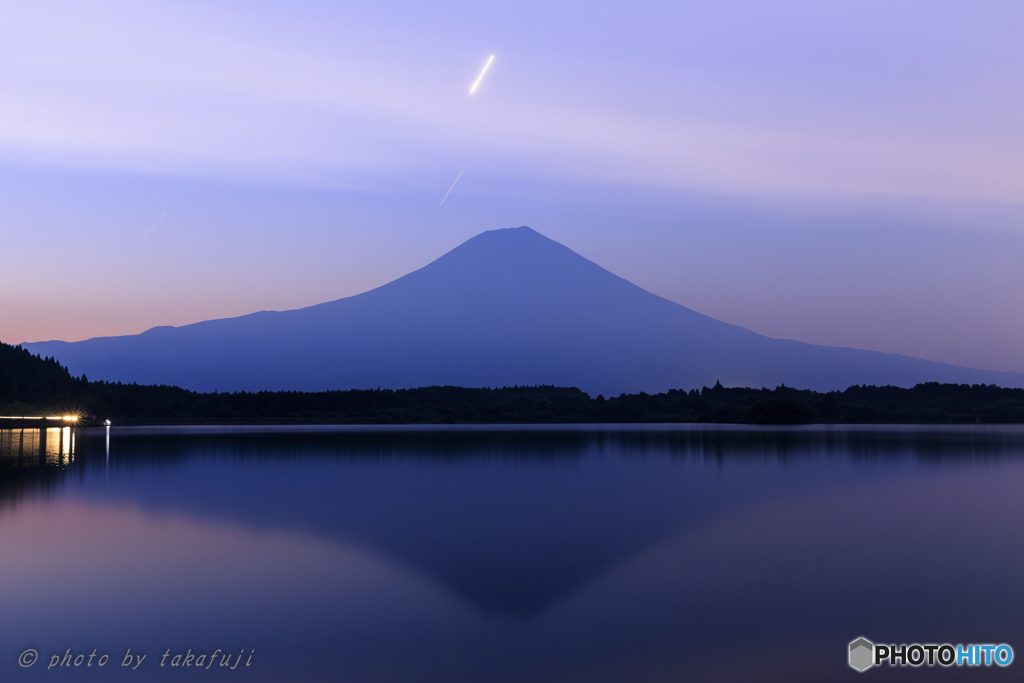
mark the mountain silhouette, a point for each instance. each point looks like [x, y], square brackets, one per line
[507, 307]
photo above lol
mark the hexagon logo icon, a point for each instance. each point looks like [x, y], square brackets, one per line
[862, 654]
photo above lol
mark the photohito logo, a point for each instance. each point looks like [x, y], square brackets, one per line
[864, 654]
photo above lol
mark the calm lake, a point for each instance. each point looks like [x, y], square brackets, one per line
[650, 553]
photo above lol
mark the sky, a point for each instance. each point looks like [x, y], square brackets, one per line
[847, 173]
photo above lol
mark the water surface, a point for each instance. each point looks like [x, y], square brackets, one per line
[507, 553]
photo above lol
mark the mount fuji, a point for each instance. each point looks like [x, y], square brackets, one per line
[507, 307]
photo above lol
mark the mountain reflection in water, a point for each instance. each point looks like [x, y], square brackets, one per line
[513, 553]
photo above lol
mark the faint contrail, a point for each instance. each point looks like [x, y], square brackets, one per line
[449, 189]
[481, 76]
[162, 217]
[471, 91]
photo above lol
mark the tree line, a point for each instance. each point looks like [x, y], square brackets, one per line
[30, 384]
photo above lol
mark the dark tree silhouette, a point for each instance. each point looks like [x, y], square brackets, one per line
[31, 385]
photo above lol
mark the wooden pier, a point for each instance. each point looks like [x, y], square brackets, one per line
[26, 422]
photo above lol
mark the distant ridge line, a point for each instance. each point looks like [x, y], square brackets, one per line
[508, 307]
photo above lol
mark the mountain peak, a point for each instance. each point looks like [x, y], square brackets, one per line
[521, 230]
[497, 262]
[522, 240]
[506, 307]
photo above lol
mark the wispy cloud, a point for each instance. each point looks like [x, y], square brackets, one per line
[803, 100]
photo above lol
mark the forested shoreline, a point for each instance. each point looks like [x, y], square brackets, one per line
[33, 385]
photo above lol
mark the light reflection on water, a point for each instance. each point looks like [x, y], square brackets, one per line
[37, 447]
[510, 554]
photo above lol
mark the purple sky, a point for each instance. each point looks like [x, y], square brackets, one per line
[846, 173]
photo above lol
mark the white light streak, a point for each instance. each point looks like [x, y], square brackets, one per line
[453, 186]
[154, 226]
[481, 76]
